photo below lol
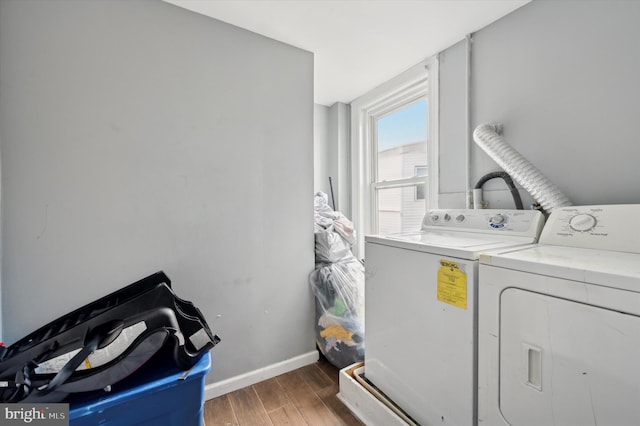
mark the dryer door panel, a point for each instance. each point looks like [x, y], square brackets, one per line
[567, 363]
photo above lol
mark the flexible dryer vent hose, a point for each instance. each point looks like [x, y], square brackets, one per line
[488, 137]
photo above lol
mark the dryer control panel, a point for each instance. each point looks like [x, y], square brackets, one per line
[606, 227]
[510, 222]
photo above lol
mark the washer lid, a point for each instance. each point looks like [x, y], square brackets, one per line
[602, 267]
[457, 244]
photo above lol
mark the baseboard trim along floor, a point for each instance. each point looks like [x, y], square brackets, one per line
[214, 390]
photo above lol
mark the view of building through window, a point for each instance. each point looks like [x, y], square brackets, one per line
[401, 150]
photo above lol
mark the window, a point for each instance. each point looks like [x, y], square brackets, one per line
[393, 147]
[400, 144]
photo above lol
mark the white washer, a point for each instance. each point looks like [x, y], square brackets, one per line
[420, 309]
[559, 323]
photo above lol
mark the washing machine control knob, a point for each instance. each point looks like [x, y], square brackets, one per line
[434, 218]
[497, 219]
[582, 222]
[447, 217]
[460, 218]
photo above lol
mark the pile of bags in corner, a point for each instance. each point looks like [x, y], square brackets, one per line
[338, 285]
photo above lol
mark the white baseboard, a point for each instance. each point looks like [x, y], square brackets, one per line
[214, 390]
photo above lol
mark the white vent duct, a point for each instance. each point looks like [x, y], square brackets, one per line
[489, 138]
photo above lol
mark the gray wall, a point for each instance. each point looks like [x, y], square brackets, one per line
[453, 126]
[562, 76]
[331, 154]
[137, 136]
[320, 148]
[339, 159]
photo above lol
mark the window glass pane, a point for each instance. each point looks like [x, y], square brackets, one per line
[420, 192]
[398, 209]
[420, 171]
[402, 142]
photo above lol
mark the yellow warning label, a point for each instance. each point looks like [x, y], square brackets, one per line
[452, 284]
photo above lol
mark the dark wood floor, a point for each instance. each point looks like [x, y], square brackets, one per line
[306, 396]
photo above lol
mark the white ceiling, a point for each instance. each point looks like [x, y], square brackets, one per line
[358, 44]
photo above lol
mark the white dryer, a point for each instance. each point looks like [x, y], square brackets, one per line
[559, 323]
[420, 309]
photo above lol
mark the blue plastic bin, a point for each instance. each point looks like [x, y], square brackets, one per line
[165, 398]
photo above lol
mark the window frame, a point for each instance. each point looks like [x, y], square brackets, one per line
[419, 81]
